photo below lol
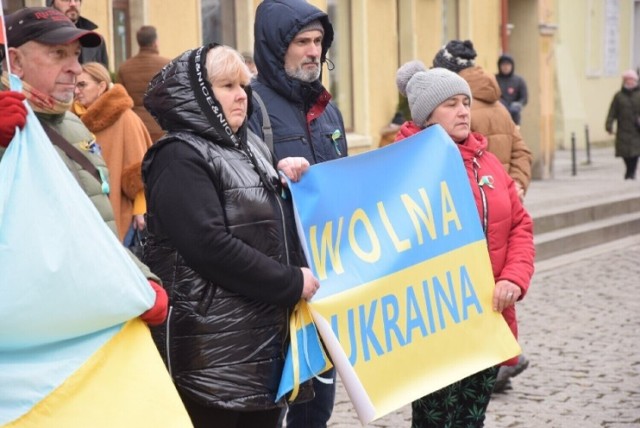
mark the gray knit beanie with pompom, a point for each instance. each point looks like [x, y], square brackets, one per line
[427, 89]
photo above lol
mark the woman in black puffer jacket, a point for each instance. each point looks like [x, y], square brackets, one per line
[222, 239]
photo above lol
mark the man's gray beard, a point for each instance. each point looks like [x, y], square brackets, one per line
[305, 75]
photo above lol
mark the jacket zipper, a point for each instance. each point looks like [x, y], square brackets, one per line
[167, 329]
[288, 260]
[168, 341]
[483, 197]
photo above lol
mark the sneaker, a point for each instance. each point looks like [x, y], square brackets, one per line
[521, 366]
[505, 373]
[512, 371]
[502, 385]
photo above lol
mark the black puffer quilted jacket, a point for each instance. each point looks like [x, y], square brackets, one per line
[223, 242]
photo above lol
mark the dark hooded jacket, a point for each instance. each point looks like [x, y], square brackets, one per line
[514, 89]
[625, 111]
[304, 121]
[222, 239]
[97, 54]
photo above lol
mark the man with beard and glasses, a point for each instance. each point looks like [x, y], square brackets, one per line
[71, 8]
[292, 38]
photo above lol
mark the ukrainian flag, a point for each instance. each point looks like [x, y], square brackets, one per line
[72, 351]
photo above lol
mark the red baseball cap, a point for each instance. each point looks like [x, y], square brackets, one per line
[48, 26]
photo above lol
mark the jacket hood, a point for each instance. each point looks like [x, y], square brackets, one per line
[276, 24]
[484, 86]
[506, 58]
[180, 98]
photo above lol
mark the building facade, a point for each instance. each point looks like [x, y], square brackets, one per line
[557, 47]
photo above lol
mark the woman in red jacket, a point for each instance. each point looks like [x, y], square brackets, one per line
[439, 96]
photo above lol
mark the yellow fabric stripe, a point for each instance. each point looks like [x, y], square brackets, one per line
[295, 322]
[124, 384]
[139, 203]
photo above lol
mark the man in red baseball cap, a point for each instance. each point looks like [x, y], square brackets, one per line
[47, 26]
[43, 51]
[44, 46]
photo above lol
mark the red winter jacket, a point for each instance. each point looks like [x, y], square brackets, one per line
[509, 228]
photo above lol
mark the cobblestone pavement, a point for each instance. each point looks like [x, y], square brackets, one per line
[579, 324]
[580, 328]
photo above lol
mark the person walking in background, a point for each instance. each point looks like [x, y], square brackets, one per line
[72, 8]
[136, 73]
[489, 117]
[48, 85]
[513, 87]
[439, 96]
[105, 109]
[291, 43]
[223, 239]
[625, 111]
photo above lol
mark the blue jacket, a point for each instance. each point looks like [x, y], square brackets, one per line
[304, 121]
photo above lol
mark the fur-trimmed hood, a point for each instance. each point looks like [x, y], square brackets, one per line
[484, 86]
[107, 109]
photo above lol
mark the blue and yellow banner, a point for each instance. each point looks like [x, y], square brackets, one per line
[404, 306]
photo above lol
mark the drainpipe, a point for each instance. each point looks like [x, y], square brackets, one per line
[504, 31]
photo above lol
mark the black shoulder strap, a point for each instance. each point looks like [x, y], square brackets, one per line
[267, 132]
[71, 151]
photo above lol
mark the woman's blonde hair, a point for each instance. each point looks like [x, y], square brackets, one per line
[226, 61]
[98, 73]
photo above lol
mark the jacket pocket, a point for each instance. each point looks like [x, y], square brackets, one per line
[294, 145]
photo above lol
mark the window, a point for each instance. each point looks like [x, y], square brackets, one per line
[121, 32]
[450, 20]
[218, 22]
[340, 77]
[10, 6]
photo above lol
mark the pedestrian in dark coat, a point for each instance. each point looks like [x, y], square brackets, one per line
[513, 87]
[625, 111]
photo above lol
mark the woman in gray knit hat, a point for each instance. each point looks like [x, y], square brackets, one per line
[441, 97]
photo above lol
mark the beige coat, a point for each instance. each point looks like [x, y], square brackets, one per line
[124, 140]
[490, 118]
[135, 74]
